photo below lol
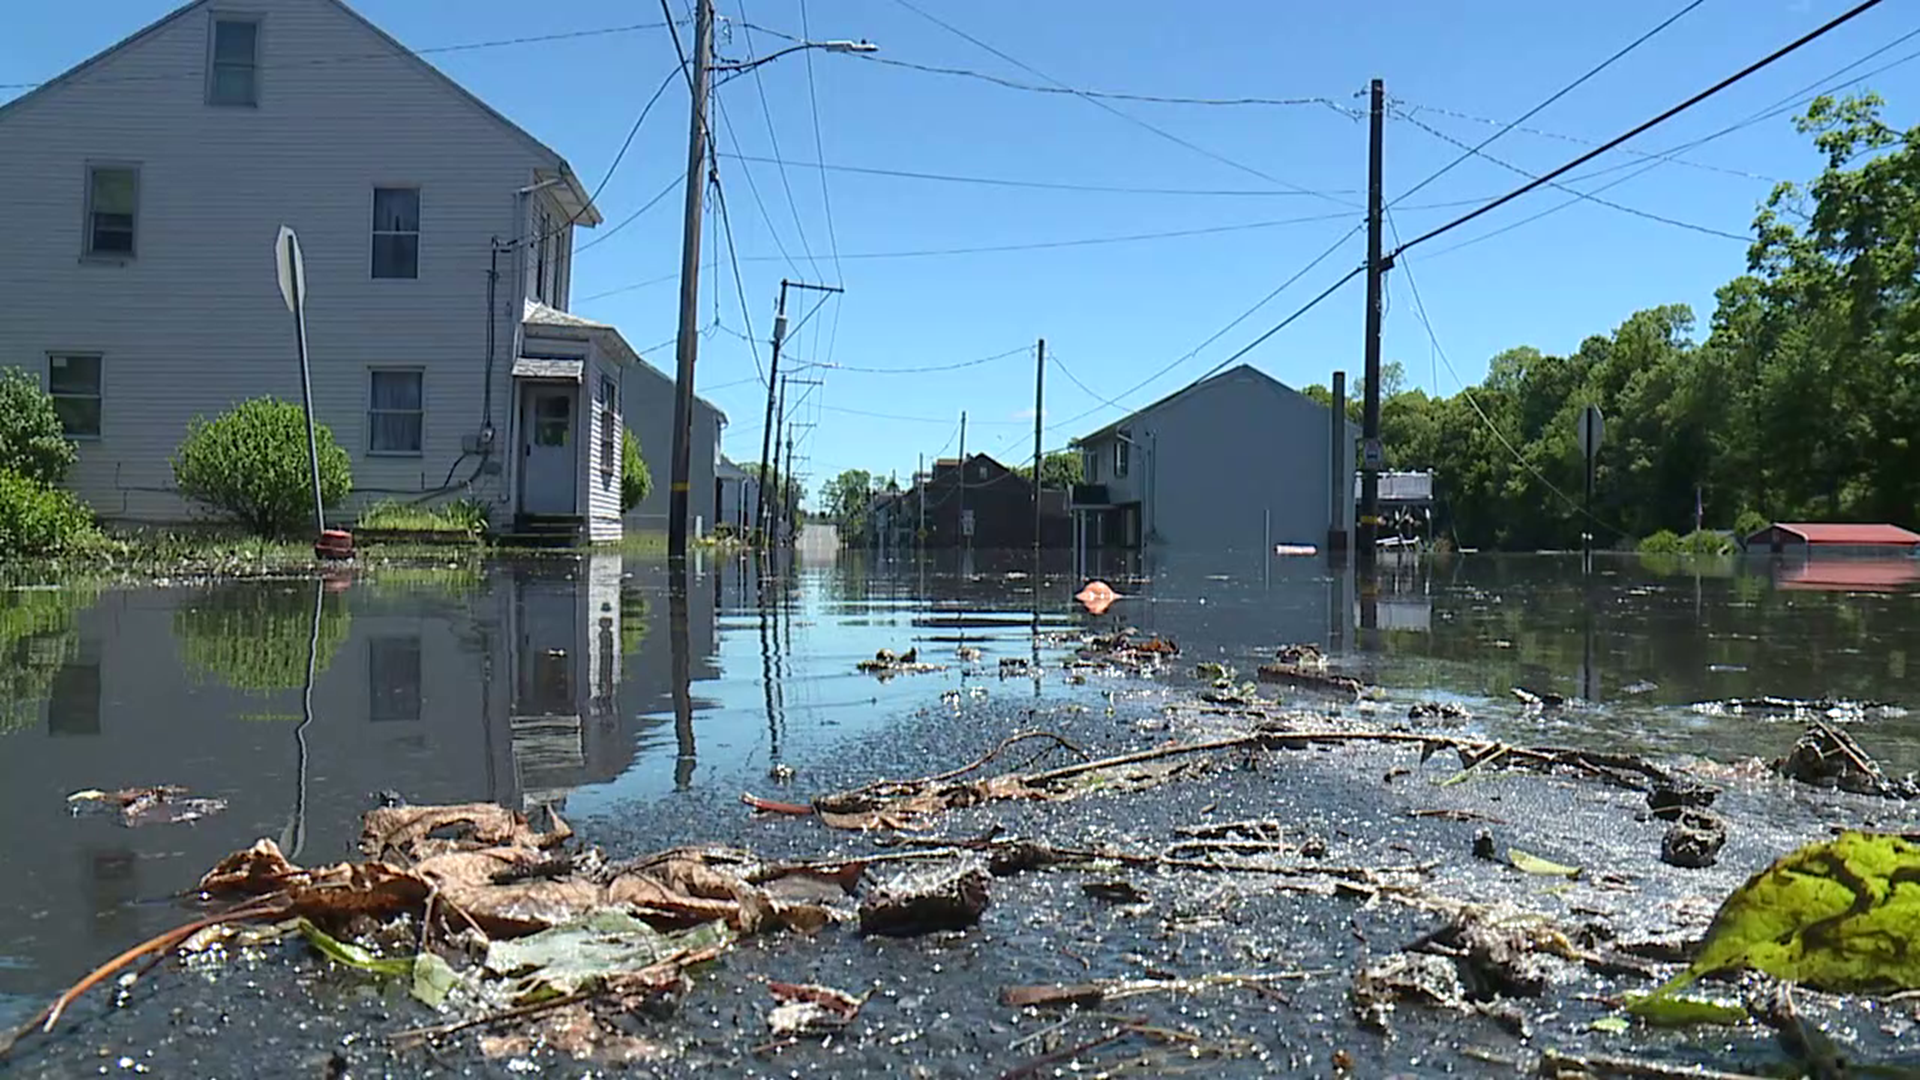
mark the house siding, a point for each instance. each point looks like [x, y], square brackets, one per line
[195, 323]
[646, 396]
[603, 461]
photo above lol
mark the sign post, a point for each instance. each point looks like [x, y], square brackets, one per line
[1592, 428]
[291, 269]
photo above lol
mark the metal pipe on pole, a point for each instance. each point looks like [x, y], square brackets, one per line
[686, 353]
[1371, 454]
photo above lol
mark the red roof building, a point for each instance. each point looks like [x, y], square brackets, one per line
[1779, 535]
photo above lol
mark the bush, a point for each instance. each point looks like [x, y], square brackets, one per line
[1664, 542]
[33, 445]
[1705, 542]
[1749, 522]
[39, 520]
[636, 482]
[251, 465]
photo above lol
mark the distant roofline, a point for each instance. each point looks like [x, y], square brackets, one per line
[1183, 391]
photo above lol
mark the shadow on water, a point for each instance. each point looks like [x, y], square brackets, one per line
[589, 684]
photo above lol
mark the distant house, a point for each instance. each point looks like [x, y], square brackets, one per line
[1833, 537]
[736, 498]
[982, 505]
[1234, 461]
[147, 185]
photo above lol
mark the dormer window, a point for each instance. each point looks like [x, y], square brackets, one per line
[233, 66]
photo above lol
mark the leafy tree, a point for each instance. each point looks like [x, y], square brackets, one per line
[1058, 469]
[251, 465]
[636, 480]
[845, 500]
[32, 442]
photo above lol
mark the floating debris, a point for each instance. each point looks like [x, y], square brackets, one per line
[810, 1009]
[927, 899]
[1836, 709]
[1451, 711]
[886, 664]
[1825, 756]
[164, 805]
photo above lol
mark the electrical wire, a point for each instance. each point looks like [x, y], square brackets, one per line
[930, 368]
[1045, 245]
[1474, 151]
[672, 186]
[909, 419]
[594, 198]
[1045, 185]
[739, 286]
[629, 288]
[1556, 96]
[1413, 108]
[1784, 50]
[773, 140]
[753, 187]
[826, 198]
[1105, 107]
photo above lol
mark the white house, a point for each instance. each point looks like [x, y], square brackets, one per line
[736, 498]
[1237, 461]
[146, 187]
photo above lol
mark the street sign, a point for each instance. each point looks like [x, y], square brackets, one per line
[291, 268]
[966, 523]
[1373, 456]
[1592, 427]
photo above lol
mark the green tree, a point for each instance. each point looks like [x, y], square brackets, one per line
[1058, 469]
[636, 480]
[251, 465]
[846, 500]
[33, 444]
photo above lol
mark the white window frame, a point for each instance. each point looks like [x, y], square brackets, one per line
[419, 223]
[421, 412]
[99, 396]
[542, 256]
[87, 251]
[1089, 465]
[214, 19]
[1122, 456]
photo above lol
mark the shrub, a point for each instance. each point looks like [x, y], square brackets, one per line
[1750, 522]
[251, 465]
[253, 636]
[33, 445]
[1664, 542]
[39, 520]
[470, 514]
[636, 482]
[1705, 542]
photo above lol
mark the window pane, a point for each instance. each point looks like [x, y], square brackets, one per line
[233, 84]
[73, 375]
[233, 41]
[395, 433]
[79, 416]
[396, 390]
[396, 256]
[114, 192]
[396, 210]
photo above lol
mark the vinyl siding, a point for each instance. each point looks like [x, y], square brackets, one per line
[603, 463]
[195, 322]
[646, 396]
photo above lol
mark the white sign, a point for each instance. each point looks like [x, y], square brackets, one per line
[1373, 457]
[1592, 428]
[290, 267]
[966, 523]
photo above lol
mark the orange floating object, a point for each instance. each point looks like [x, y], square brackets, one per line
[1098, 596]
[334, 544]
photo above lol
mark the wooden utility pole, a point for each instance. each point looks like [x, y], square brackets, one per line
[1039, 402]
[920, 500]
[766, 429]
[960, 512]
[778, 506]
[793, 511]
[1370, 456]
[687, 349]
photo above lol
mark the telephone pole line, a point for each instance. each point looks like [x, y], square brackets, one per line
[1365, 535]
[768, 438]
[960, 510]
[1039, 401]
[687, 349]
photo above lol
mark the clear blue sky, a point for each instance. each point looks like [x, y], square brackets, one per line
[1114, 313]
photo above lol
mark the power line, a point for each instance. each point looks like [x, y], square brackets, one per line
[1791, 101]
[672, 186]
[1475, 151]
[1022, 350]
[739, 286]
[1043, 245]
[909, 419]
[1413, 108]
[753, 188]
[388, 54]
[1676, 110]
[1556, 96]
[629, 288]
[618, 157]
[1111, 95]
[1103, 106]
[826, 198]
[1043, 185]
[773, 140]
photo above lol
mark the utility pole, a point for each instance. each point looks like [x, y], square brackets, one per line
[777, 507]
[768, 437]
[960, 511]
[1039, 401]
[1370, 458]
[688, 343]
[793, 511]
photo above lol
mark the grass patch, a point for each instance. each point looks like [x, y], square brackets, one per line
[460, 517]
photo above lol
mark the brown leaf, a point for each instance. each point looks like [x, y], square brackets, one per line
[257, 871]
[810, 1009]
[472, 867]
[401, 827]
[1019, 997]
[575, 1032]
[838, 1001]
[524, 907]
[650, 895]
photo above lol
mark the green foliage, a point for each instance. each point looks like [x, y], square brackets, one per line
[38, 520]
[466, 516]
[1706, 542]
[635, 621]
[636, 480]
[253, 636]
[1664, 542]
[1057, 470]
[847, 499]
[1748, 522]
[251, 465]
[32, 442]
[37, 638]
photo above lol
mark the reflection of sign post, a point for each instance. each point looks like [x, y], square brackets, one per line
[291, 269]
[966, 524]
[1592, 428]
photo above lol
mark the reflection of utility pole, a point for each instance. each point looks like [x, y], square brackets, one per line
[1039, 403]
[682, 689]
[294, 836]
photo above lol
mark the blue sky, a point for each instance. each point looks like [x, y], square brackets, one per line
[1114, 313]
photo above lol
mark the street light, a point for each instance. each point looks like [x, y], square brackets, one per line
[687, 349]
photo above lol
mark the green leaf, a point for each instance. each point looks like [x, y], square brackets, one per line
[1672, 1010]
[346, 952]
[577, 954]
[1534, 864]
[1612, 1025]
[433, 979]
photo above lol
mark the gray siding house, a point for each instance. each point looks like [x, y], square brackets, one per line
[147, 185]
[1237, 461]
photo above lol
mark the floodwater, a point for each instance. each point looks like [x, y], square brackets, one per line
[584, 682]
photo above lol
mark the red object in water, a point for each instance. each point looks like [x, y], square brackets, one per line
[1852, 535]
[334, 544]
[1098, 596]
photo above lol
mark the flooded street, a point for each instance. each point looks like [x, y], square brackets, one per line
[584, 684]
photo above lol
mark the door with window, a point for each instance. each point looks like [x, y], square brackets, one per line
[548, 452]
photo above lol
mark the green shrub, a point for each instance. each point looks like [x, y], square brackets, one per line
[32, 442]
[636, 482]
[470, 514]
[251, 465]
[1664, 542]
[253, 636]
[39, 520]
[1750, 522]
[1705, 542]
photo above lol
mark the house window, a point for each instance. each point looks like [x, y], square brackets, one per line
[552, 416]
[1090, 465]
[113, 197]
[542, 263]
[393, 678]
[609, 429]
[233, 72]
[74, 384]
[1122, 457]
[396, 412]
[396, 232]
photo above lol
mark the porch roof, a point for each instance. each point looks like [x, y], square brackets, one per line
[529, 367]
[541, 317]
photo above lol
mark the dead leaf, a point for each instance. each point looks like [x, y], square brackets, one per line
[402, 827]
[576, 1033]
[810, 1009]
[524, 907]
[1020, 997]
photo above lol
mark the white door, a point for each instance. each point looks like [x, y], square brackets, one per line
[547, 480]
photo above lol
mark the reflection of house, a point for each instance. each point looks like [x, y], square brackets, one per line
[1406, 505]
[1234, 461]
[419, 210]
[565, 642]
